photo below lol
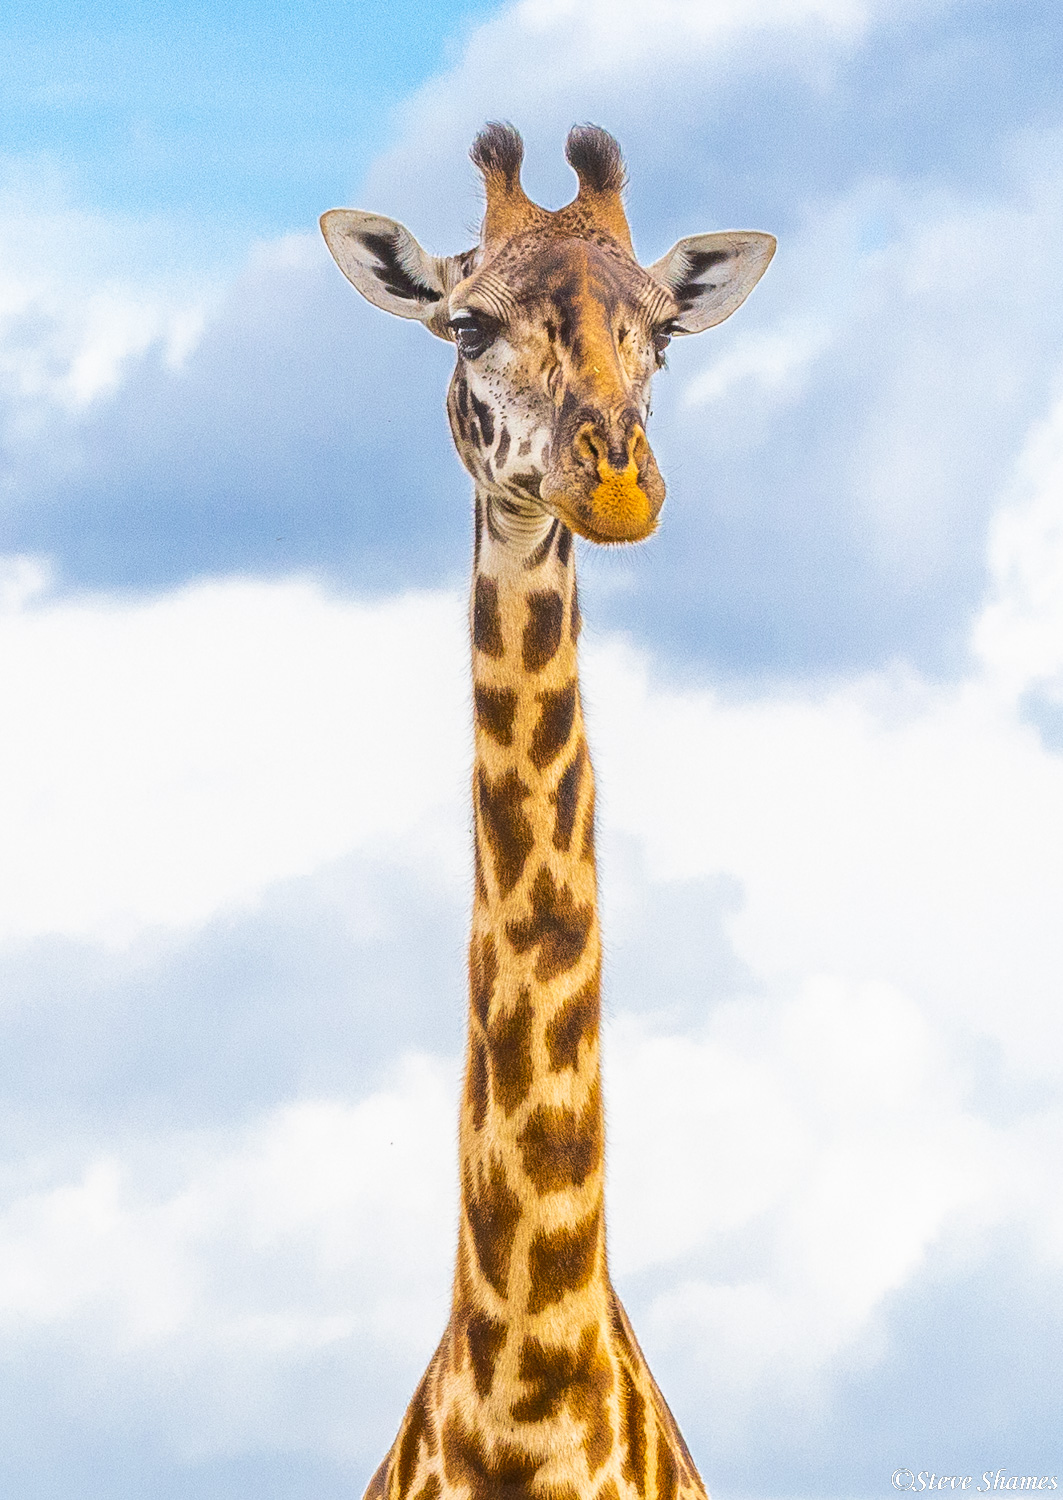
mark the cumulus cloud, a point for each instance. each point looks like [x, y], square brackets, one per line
[310, 1180]
[83, 293]
[176, 1265]
[877, 831]
[262, 449]
[838, 451]
[523, 62]
[766, 359]
[181, 753]
[1019, 635]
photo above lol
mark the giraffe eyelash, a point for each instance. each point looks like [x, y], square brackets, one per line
[473, 333]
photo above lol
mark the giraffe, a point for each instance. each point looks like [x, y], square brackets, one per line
[538, 1389]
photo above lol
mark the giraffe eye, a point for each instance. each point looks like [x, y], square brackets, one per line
[472, 334]
[661, 339]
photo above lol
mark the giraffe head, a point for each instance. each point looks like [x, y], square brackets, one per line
[558, 330]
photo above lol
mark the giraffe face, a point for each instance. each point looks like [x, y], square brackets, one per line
[557, 341]
[558, 331]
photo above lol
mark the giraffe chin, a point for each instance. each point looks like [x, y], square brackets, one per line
[618, 509]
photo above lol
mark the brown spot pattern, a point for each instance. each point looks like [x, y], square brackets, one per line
[484, 417]
[416, 1428]
[575, 1022]
[667, 1469]
[587, 852]
[476, 1083]
[431, 1489]
[484, 1337]
[542, 632]
[556, 713]
[598, 1443]
[680, 1451]
[483, 972]
[463, 1292]
[542, 551]
[565, 798]
[511, 1058]
[495, 711]
[579, 1378]
[508, 830]
[548, 1370]
[557, 925]
[502, 451]
[486, 620]
[492, 1211]
[564, 546]
[633, 1430]
[560, 1147]
[562, 1261]
[506, 1473]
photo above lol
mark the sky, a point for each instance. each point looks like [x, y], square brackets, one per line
[825, 704]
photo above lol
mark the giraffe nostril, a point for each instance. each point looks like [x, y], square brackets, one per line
[590, 448]
[610, 441]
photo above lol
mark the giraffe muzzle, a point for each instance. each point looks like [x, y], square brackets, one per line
[605, 483]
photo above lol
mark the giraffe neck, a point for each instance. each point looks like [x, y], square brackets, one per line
[532, 1279]
[538, 1389]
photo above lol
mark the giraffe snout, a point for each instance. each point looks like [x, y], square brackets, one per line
[605, 482]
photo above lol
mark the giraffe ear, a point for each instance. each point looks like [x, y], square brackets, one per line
[709, 275]
[387, 265]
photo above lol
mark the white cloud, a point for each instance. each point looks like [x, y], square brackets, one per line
[770, 359]
[545, 63]
[313, 1182]
[179, 754]
[1020, 633]
[880, 831]
[216, 1262]
[82, 293]
[611, 29]
[787, 1170]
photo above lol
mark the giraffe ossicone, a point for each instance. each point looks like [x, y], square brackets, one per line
[538, 1388]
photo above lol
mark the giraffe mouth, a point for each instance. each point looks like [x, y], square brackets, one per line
[608, 524]
[602, 501]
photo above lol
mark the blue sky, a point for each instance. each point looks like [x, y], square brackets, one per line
[826, 705]
[235, 119]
